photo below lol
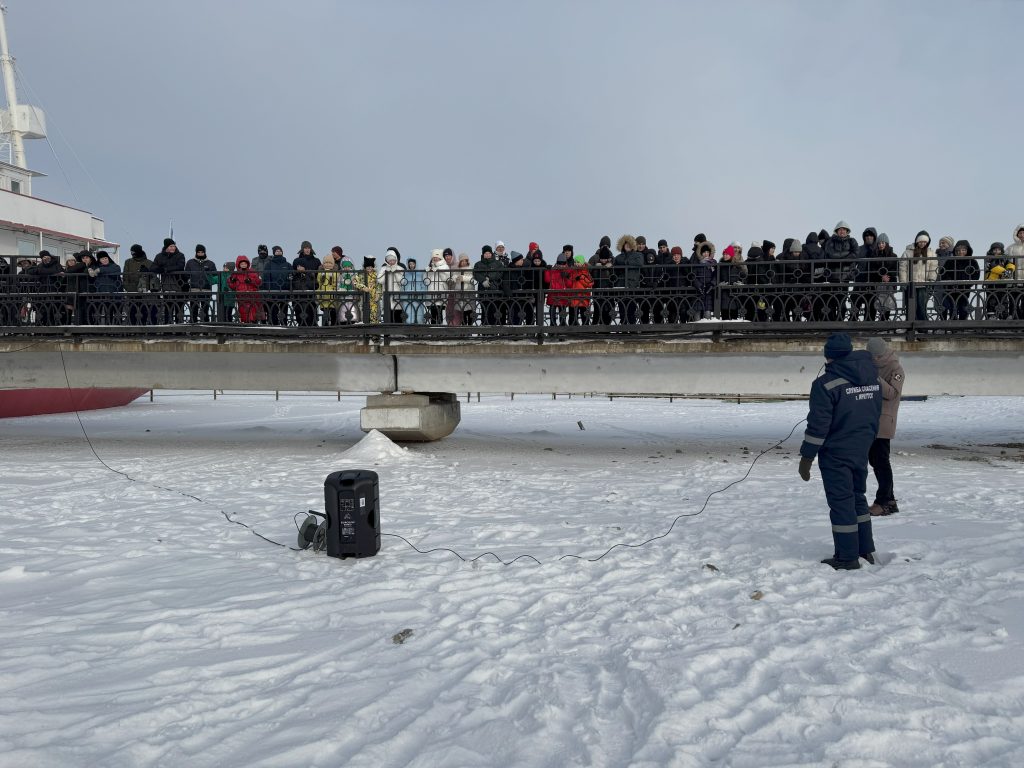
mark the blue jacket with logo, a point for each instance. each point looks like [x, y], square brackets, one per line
[846, 404]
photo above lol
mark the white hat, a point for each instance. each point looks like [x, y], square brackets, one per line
[499, 244]
[436, 254]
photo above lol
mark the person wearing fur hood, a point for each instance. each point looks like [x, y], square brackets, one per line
[436, 280]
[1015, 251]
[629, 269]
[392, 281]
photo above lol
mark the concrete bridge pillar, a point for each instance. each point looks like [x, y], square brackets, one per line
[412, 418]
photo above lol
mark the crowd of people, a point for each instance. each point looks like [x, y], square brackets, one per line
[824, 277]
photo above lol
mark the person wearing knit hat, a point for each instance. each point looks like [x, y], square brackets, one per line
[276, 277]
[170, 263]
[202, 274]
[890, 378]
[842, 423]
[489, 274]
[260, 262]
[920, 267]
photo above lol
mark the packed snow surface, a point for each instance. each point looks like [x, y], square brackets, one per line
[139, 627]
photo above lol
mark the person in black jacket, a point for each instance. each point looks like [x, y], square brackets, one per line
[882, 273]
[45, 272]
[170, 264]
[959, 275]
[759, 305]
[605, 282]
[305, 267]
[680, 296]
[840, 255]
[628, 265]
[201, 273]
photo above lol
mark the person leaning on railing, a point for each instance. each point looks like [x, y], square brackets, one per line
[959, 274]
[882, 271]
[1015, 251]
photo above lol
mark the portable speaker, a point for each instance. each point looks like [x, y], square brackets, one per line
[352, 500]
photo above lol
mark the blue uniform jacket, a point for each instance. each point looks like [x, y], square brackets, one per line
[846, 404]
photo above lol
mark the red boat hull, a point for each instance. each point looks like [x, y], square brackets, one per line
[34, 402]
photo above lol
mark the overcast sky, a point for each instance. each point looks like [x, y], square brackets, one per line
[457, 123]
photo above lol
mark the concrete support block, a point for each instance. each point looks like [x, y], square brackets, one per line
[412, 418]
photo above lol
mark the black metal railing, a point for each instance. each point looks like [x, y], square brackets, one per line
[894, 292]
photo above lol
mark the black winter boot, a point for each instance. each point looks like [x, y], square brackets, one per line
[842, 565]
[870, 557]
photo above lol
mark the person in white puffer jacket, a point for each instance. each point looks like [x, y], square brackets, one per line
[436, 280]
[1015, 250]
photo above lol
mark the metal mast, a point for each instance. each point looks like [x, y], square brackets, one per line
[12, 123]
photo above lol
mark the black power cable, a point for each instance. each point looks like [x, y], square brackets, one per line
[461, 557]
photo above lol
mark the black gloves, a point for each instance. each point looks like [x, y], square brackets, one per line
[805, 468]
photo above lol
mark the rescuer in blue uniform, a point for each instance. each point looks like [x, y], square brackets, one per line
[846, 403]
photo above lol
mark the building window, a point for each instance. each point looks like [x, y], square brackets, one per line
[28, 247]
[15, 186]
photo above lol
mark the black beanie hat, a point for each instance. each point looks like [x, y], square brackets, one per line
[767, 245]
[486, 249]
[369, 261]
[278, 248]
[568, 248]
[663, 242]
[448, 252]
[200, 247]
[168, 241]
[606, 242]
[136, 249]
[700, 238]
[705, 248]
[838, 346]
[261, 249]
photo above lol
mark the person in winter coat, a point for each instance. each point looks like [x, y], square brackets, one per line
[170, 265]
[489, 274]
[327, 280]
[201, 274]
[840, 256]
[706, 279]
[557, 284]
[46, 280]
[859, 273]
[246, 284]
[959, 275]
[275, 281]
[392, 280]
[305, 266]
[260, 262]
[605, 286]
[368, 283]
[890, 378]
[842, 423]
[106, 301]
[606, 242]
[883, 271]
[580, 283]
[226, 299]
[917, 270]
[1015, 251]
[628, 269]
[943, 252]
[760, 305]
[794, 302]
[1000, 272]
[139, 278]
[464, 290]
[350, 310]
[731, 273]
[436, 280]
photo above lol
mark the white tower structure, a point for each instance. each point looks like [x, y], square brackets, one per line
[18, 121]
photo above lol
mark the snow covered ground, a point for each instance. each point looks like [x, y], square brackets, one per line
[139, 628]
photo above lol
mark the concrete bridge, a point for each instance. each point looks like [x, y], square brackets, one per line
[418, 379]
